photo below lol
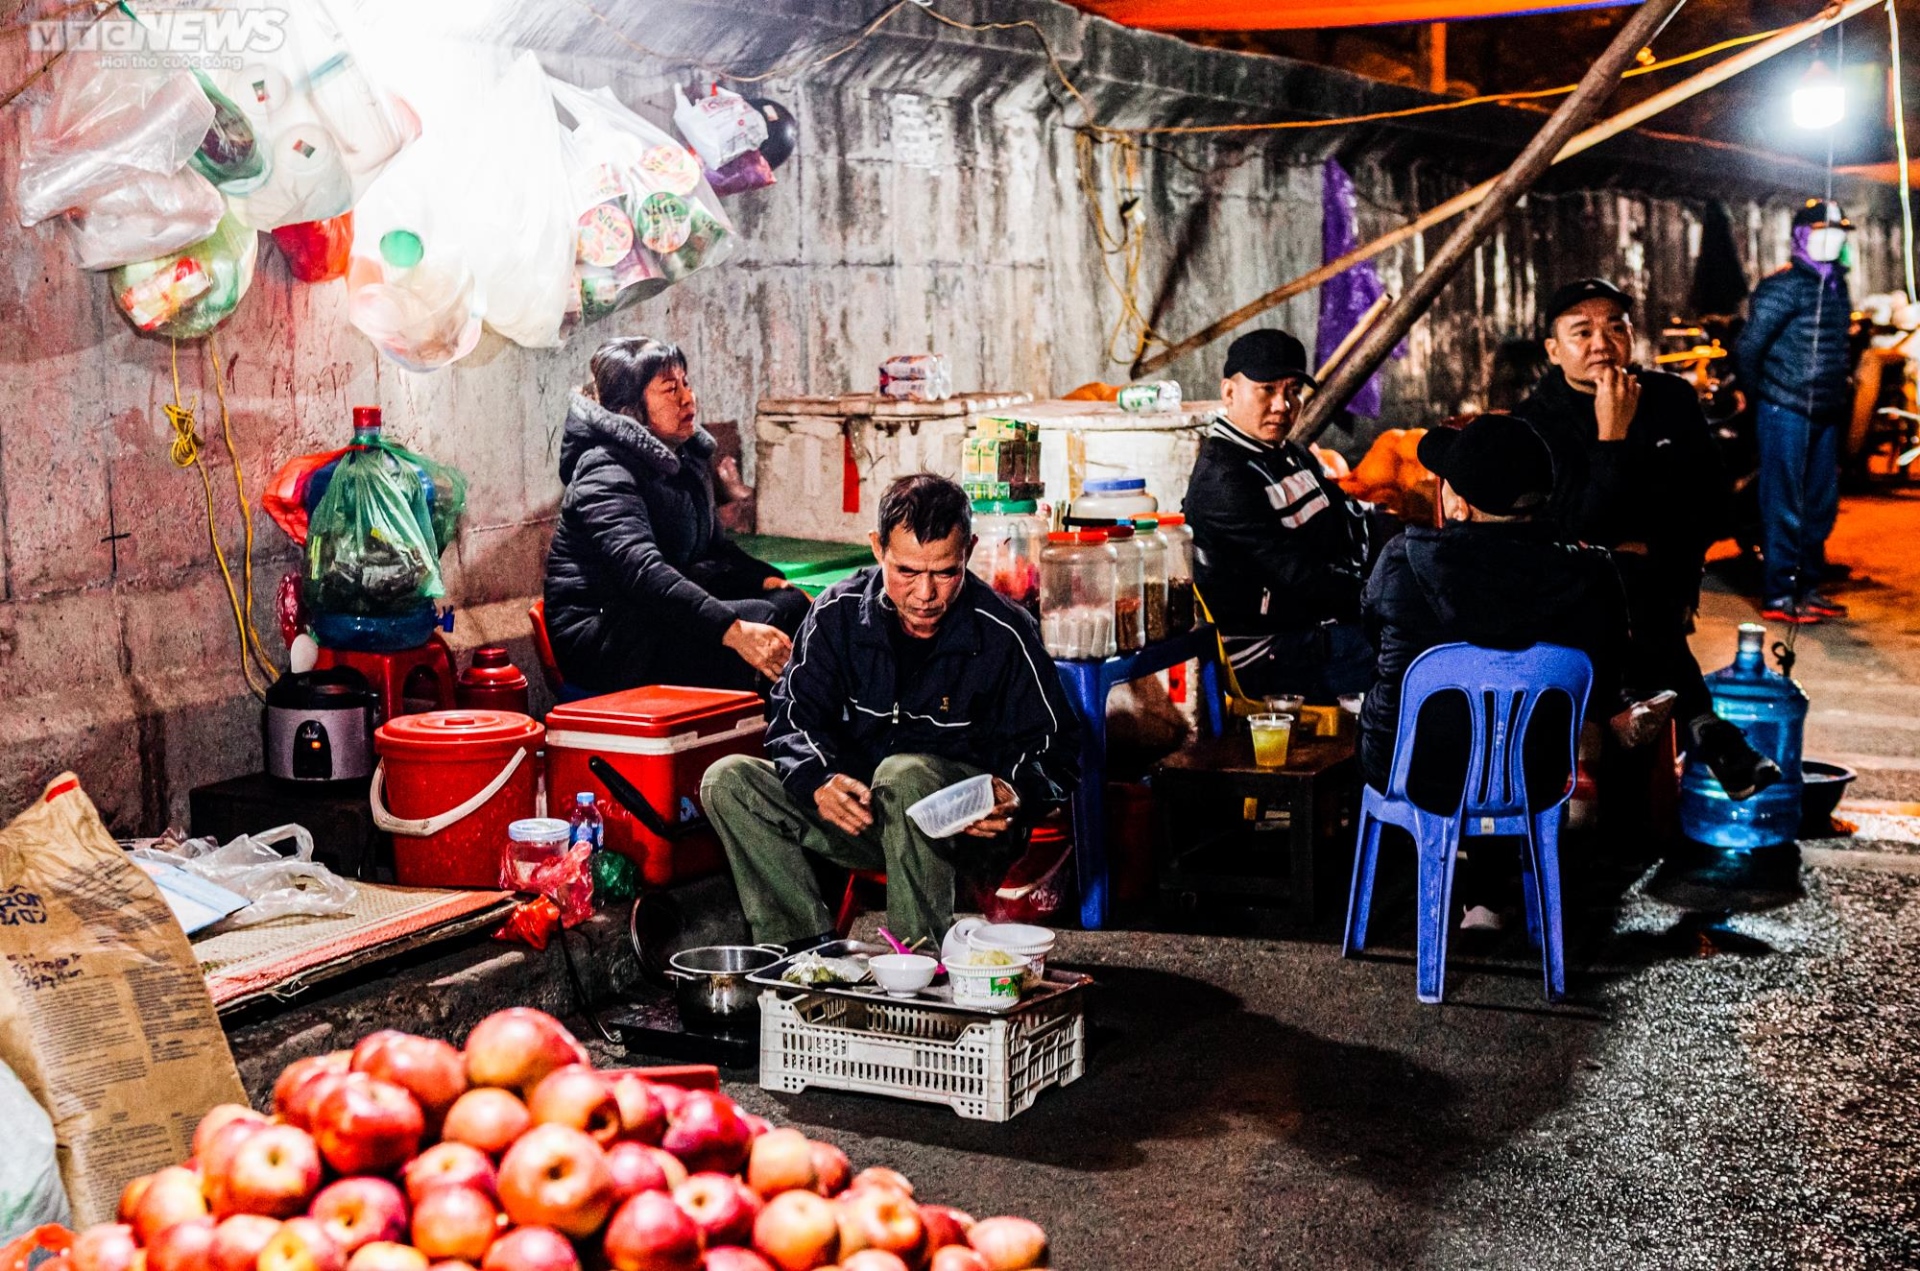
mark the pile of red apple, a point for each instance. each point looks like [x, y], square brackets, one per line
[516, 1154]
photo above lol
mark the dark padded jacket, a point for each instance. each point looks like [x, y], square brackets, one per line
[1278, 546]
[988, 696]
[1497, 585]
[1793, 352]
[1664, 486]
[638, 553]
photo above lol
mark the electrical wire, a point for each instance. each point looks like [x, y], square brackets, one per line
[251, 634]
[720, 72]
[1904, 175]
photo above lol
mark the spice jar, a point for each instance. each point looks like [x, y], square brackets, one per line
[1153, 558]
[1129, 589]
[1077, 579]
[1011, 533]
[1179, 540]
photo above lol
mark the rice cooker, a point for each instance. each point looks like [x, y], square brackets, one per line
[319, 726]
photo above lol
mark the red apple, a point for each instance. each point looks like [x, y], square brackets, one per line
[958, 1258]
[728, 1258]
[531, 1249]
[669, 1165]
[385, 1255]
[1007, 1244]
[273, 1171]
[367, 1126]
[797, 1231]
[579, 1097]
[721, 1206]
[781, 1161]
[214, 1161]
[643, 1116]
[556, 1176]
[172, 1196]
[517, 1047]
[237, 1242]
[182, 1247]
[449, 1164]
[706, 1132]
[756, 1125]
[881, 1176]
[873, 1260]
[130, 1196]
[433, 1072]
[651, 1233]
[488, 1119]
[357, 1211]
[106, 1246]
[455, 1222]
[636, 1168]
[832, 1170]
[945, 1225]
[306, 1096]
[295, 1073]
[452, 1264]
[219, 1116]
[301, 1245]
[881, 1217]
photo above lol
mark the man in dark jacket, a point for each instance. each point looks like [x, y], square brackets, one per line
[1494, 577]
[1794, 355]
[1635, 471]
[1280, 550]
[905, 679]
[643, 585]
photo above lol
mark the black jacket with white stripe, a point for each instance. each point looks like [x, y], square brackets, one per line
[1278, 545]
[988, 695]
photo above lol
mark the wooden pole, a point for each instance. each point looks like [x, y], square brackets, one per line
[1633, 116]
[1360, 327]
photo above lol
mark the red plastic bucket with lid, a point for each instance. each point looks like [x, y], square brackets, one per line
[447, 786]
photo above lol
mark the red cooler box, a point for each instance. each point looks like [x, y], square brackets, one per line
[662, 739]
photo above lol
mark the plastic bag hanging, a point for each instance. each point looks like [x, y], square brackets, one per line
[413, 296]
[149, 216]
[232, 154]
[317, 251]
[374, 542]
[720, 127]
[187, 294]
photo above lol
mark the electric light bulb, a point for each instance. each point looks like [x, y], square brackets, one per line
[1820, 101]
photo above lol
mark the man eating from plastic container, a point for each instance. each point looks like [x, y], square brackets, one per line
[906, 679]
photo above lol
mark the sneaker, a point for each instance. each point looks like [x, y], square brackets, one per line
[1741, 770]
[1480, 918]
[1790, 611]
[1818, 605]
[1643, 722]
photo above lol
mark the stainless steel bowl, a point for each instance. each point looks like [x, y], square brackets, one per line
[710, 986]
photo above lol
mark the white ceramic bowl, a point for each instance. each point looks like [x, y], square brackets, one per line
[945, 813]
[1020, 939]
[902, 974]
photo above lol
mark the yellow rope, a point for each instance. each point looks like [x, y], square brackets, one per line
[252, 633]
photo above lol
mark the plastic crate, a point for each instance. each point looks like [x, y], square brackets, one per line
[986, 1069]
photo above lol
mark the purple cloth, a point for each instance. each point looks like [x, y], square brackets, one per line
[1802, 234]
[1346, 296]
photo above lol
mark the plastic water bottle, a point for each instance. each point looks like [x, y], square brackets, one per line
[586, 825]
[1772, 711]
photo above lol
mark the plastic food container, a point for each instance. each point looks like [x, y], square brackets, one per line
[1077, 580]
[1112, 499]
[992, 985]
[945, 813]
[1012, 534]
[1129, 589]
[1153, 561]
[1174, 533]
[1022, 940]
[536, 841]
[448, 785]
[902, 974]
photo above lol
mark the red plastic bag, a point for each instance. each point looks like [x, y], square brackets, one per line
[1034, 890]
[567, 880]
[285, 499]
[317, 251]
[37, 1249]
[532, 923]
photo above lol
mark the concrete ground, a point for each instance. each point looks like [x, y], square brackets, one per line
[1720, 1090]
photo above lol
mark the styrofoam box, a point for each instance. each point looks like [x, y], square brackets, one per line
[1085, 441]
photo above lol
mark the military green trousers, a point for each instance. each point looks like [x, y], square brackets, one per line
[767, 833]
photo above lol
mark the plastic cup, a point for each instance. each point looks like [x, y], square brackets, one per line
[1272, 736]
[1287, 704]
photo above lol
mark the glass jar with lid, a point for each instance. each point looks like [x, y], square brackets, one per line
[1129, 588]
[1111, 499]
[1178, 537]
[1076, 595]
[1153, 558]
[1007, 558]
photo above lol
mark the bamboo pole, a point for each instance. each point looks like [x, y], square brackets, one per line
[1360, 327]
[1607, 129]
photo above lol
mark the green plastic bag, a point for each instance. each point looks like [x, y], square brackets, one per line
[374, 541]
[190, 292]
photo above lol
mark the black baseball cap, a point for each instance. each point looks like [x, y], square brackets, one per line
[1585, 289]
[1497, 463]
[1267, 356]
[1821, 212]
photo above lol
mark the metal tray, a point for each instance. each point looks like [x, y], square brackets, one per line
[936, 996]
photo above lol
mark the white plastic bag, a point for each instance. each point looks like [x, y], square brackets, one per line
[103, 127]
[409, 289]
[277, 885]
[30, 1189]
[150, 216]
[720, 127]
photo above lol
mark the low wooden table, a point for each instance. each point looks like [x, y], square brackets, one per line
[1218, 810]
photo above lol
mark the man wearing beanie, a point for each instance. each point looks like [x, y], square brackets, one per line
[1636, 472]
[1498, 577]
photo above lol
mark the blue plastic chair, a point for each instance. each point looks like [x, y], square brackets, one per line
[1502, 690]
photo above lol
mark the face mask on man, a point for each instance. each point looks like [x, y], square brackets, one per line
[1825, 243]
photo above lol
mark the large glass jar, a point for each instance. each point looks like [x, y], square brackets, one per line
[1007, 559]
[1153, 560]
[1076, 595]
[1129, 589]
[1179, 540]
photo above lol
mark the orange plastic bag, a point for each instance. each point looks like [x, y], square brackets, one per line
[37, 1249]
[285, 499]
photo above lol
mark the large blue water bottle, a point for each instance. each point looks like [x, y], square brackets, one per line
[1772, 711]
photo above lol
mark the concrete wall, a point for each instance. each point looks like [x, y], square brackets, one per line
[118, 657]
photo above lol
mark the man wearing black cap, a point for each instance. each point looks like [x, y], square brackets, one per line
[1793, 354]
[1497, 577]
[1636, 472]
[1280, 549]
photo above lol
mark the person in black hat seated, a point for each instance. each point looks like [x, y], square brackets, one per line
[1499, 577]
[1636, 472]
[1280, 550]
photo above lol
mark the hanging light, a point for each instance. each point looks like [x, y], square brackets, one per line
[1820, 100]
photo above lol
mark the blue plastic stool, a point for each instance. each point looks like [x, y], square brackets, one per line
[1502, 691]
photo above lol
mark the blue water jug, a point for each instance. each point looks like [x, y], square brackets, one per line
[1772, 711]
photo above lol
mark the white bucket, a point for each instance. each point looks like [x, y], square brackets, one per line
[1019, 939]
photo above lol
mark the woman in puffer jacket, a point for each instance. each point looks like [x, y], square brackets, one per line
[643, 585]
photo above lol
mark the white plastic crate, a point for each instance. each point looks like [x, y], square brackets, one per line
[986, 1069]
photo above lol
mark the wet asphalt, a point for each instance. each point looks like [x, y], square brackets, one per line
[1732, 1082]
